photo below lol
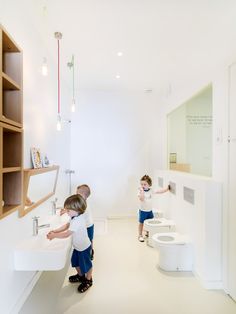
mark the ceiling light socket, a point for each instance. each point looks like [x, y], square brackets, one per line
[148, 90]
[58, 35]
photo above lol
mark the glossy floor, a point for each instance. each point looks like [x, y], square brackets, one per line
[127, 281]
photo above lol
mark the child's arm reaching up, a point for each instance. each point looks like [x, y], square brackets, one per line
[162, 190]
[141, 194]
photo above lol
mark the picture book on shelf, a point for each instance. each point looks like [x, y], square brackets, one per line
[36, 157]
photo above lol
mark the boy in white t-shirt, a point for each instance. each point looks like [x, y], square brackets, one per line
[84, 191]
[145, 197]
[81, 260]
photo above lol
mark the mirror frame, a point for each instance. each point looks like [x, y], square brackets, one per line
[32, 172]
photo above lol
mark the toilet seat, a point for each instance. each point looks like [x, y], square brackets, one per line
[158, 222]
[170, 238]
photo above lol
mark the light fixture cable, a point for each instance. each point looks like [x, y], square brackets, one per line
[58, 36]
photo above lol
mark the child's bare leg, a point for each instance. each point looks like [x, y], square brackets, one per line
[140, 229]
[89, 274]
[78, 271]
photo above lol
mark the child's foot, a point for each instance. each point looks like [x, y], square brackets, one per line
[141, 239]
[76, 278]
[85, 285]
[92, 254]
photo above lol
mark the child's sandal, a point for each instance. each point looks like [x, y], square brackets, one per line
[85, 285]
[76, 278]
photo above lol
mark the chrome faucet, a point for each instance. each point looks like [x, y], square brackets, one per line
[54, 206]
[36, 226]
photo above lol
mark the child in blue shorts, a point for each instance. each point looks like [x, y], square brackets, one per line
[84, 190]
[76, 206]
[145, 197]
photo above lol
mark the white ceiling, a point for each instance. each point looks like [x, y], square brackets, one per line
[162, 40]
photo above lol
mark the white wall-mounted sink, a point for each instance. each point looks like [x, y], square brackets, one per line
[37, 253]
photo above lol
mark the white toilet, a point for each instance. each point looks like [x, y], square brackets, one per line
[175, 251]
[157, 225]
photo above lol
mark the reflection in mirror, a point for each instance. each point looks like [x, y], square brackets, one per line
[190, 135]
[39, 185]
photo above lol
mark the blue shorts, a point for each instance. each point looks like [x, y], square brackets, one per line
[90, 231]
[145, 215]
[82, 259]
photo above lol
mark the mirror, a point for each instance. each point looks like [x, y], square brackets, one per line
[190, 135]
[39, 185]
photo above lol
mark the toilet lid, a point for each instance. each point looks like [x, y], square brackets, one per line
[170, 238]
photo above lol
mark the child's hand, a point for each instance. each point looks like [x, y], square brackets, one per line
[141, 190]
[50, 235]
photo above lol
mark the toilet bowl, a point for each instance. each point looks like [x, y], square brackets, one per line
[175, 251]
[157, 225]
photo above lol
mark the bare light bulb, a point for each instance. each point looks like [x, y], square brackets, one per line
[44, 67]
[73, 105]
[58, 123]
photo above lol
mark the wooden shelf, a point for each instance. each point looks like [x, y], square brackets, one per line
[8, 83]
[11, 119]
[33, 172]
[8, 43]
[11, 169]
[12, 122]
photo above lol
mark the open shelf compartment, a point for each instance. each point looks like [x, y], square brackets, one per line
[12, 147]
[11, 181]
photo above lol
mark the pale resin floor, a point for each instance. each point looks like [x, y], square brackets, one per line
[127, 281]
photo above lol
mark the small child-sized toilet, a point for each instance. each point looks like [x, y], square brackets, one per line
[157, 225]
[175, 251]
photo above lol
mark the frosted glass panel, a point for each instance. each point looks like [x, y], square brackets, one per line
[190, 135]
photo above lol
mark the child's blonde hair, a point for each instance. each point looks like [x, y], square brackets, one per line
[147, 179]
[85, 188]
[75, 202]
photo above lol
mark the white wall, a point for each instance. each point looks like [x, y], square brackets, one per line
[110, 151]
[201, 221]
[40, 99]
[219, 80]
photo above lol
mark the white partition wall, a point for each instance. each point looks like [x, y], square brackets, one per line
[199, 216]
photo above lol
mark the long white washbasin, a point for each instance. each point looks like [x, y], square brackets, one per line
[37, 253]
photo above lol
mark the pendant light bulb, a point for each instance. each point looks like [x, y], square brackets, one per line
[44, 67]
[73, 105]
[58, 123]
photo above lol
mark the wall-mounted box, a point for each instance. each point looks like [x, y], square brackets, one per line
[172, 187]
[188, 195]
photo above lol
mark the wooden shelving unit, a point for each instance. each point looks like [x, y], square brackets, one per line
[11, 124]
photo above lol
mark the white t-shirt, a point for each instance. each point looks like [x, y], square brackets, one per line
[146, 205]
[88, 216]
[80, 239]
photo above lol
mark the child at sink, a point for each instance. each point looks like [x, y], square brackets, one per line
[76, 206]
[84, 191]
[145, 197]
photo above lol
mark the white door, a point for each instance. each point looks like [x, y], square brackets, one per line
[232, 185]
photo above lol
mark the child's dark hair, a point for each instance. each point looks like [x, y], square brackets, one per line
[147, 179]
[75, 202]
[86, 187]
